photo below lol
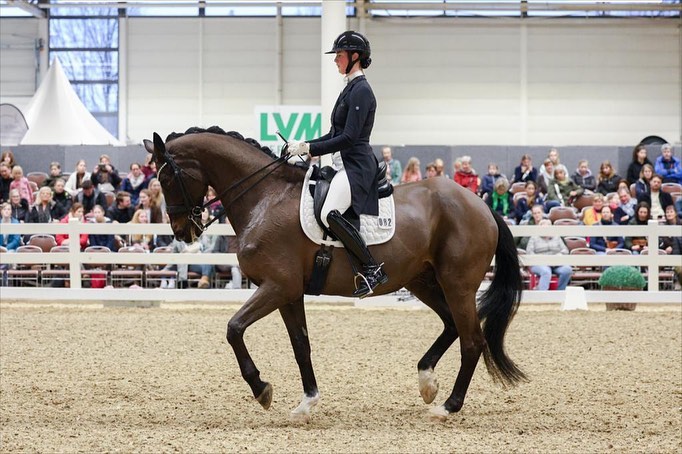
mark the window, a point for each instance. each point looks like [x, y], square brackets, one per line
[85, 40]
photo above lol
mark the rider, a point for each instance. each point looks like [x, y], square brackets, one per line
[353, 190]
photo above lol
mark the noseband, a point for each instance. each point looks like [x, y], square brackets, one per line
[194, 210]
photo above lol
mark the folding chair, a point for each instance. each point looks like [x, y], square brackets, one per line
[25, 275]
[127, 275]
[156, 274]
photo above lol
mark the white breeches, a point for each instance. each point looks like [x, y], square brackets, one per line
[339, 197]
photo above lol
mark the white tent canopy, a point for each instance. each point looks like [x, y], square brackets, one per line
[56, 115]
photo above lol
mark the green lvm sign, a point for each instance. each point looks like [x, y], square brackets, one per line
[293, 122]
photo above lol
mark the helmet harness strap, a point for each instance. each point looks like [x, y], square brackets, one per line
[351, 62]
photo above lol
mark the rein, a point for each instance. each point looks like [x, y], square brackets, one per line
[196, 210]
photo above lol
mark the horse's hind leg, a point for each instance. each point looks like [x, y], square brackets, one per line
[472, 344]
[427, 289]
[294, 318]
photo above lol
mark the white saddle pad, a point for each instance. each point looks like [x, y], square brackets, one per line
[374, 229]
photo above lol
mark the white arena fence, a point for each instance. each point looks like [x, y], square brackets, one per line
[75, 258]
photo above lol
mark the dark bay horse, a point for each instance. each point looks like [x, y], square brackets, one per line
[444, 242]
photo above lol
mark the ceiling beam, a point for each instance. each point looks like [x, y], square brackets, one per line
[28, 7]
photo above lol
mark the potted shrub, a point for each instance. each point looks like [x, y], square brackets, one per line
[622, 277]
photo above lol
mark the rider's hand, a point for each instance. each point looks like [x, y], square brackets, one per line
[297, 148]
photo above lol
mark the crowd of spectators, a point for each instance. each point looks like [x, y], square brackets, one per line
[101, 196]
[600, 198]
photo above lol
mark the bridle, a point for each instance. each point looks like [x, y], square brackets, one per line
[194, 210]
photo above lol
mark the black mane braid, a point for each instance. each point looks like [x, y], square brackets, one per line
[219, 130]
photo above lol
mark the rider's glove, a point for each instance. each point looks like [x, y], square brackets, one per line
[297, 148]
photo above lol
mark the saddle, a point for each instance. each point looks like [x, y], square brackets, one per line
[321, 178]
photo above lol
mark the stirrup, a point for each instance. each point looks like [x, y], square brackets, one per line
[373, 277]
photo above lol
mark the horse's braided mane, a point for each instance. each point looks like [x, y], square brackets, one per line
[219, 130]
[291, 173]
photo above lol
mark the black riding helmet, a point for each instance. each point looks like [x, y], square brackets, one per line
[352, 42]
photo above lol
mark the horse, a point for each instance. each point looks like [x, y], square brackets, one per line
[444, 242]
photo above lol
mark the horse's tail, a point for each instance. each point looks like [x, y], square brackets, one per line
[498, 306]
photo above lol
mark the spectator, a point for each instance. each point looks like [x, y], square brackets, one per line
[431, 170]
[466, 176]
[412, 172]
[607, 180]
[75, 182]
[656, 199]
[549, 245]
[642, 184]
[21, 183]
[525, 170]
[76, 212]
[562, 190]
[583, 176]
[639, 158]
[593, 214]
[223, 246]
[8, 158]
[61, 197]
[642, 215]
[45, 210]
[5, 181]
[89, 197]
[627, 204]
[524, 204]
[121, 211]
[537, 215]
[105, 177]
[206, 245]
[619, 215]
[19, 206]
[154, 214]
[456, 166]
[101, 239]
[395, 170]
[623, 184]
[206, 271]
[668, 166]
[440, 168]
[55, 174]
[149, 167]
[673, 245]
[9, 241]
[134, 182]
[602, 243]
[546, 175]
[142, 240]
[553, 156]
[500, 200]
[490, 178]
[156, 196]
[216, 207]
[668, 243]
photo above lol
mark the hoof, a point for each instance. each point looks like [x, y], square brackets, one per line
[265, 398]
[301, 414]
[299, 418]
[428, 385]
[438, 414]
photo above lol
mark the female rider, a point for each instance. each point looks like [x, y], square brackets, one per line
[353, 189]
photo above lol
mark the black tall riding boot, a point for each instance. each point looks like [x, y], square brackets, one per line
[372, 275]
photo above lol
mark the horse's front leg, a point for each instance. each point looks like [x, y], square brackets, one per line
[294, 318]
[265, 300]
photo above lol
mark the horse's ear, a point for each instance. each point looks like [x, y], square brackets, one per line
[148, 145]
[159, 146]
